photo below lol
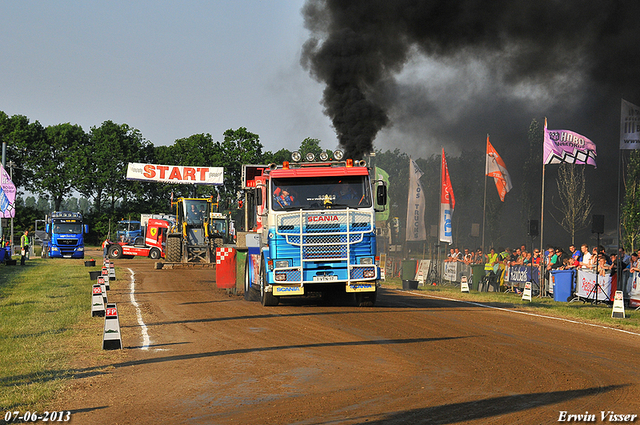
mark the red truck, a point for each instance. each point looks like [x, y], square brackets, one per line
[153, 246]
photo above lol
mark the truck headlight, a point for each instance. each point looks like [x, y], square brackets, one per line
[80, 248]
[281, 264]
[54, 248]
[366, 260]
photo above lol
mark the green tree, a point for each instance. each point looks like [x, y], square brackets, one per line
[238, 147]
[575, 205]
[278, 157]
[310, 145]
[22, 138]
[630, 214]
[108, 151]
[57, 161]
[198, 150]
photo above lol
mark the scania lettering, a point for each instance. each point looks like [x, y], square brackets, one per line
[313, 230]
[66, 234]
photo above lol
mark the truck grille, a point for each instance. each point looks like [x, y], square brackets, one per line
[72, 242]
[324, 236]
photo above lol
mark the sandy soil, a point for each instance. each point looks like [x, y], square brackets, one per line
[215, 358]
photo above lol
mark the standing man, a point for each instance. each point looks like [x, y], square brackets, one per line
[24, 246]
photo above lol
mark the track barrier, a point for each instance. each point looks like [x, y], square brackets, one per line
[111, 339]
[97, 301]
[526, 294]
[618, 305]
[464, 284]
[103, 287]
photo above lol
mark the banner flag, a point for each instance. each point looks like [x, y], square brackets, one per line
[629, 126]
[7, 195]
[175, 174]
[416, 229]
[495, 168]
[565, 146]
[447, 203]
[384, 176]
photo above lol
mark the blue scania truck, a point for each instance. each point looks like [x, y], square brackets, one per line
[66, 234]
[314, 231]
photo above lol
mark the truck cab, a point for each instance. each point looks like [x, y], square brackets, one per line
[130, 232]
[316, 223]
[66, 234]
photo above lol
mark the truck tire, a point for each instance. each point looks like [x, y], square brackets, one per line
[174, 249]
[266, 298]
[115, 251]
[250, 293]
[154, 254]
[366, 299]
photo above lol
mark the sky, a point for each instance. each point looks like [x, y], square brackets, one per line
[169, 69]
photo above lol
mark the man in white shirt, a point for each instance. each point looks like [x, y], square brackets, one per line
[586, 257]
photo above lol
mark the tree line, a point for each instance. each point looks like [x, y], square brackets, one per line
[58, 162]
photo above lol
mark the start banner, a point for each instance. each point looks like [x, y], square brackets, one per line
[178, 174]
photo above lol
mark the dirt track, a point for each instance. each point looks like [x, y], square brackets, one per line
[217, 359]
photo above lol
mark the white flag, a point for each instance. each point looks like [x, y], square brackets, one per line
[416, 229]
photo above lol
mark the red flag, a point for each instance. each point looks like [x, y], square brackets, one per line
[495, 168]
[447, 190]
[447, 203]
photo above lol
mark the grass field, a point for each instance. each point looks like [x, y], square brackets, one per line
[46, 326]
[49, 337]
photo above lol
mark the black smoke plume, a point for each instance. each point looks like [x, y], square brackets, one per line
[583, 56]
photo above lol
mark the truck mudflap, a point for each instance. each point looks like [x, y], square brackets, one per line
[279, 291]
[361, 287]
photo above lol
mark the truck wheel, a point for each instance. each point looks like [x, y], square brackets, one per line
[250, 293]
[115, 251]
[154, 254]
[366, 299]
[174, 250]
[266, 298]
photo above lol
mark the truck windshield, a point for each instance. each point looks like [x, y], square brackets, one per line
[70, 228]
[195, 211]
[124, 226]
[219, 226]
[320, 192]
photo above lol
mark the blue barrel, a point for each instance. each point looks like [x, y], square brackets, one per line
[563, 284]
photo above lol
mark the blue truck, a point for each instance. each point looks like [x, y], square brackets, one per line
[314, 231]
[130, 231]
[66, 234]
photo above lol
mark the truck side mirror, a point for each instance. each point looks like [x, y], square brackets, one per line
[259, 197]
[86, 228]
[46, 228]
[381, 195]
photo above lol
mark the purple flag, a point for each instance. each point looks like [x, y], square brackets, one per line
[7, 195]
[565, 146]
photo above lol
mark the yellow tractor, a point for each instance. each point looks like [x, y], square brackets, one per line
[197, 231]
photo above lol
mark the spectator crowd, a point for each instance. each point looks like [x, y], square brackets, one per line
[593, 258]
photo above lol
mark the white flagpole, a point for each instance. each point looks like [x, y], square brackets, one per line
[484, 204]
[542, 260]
